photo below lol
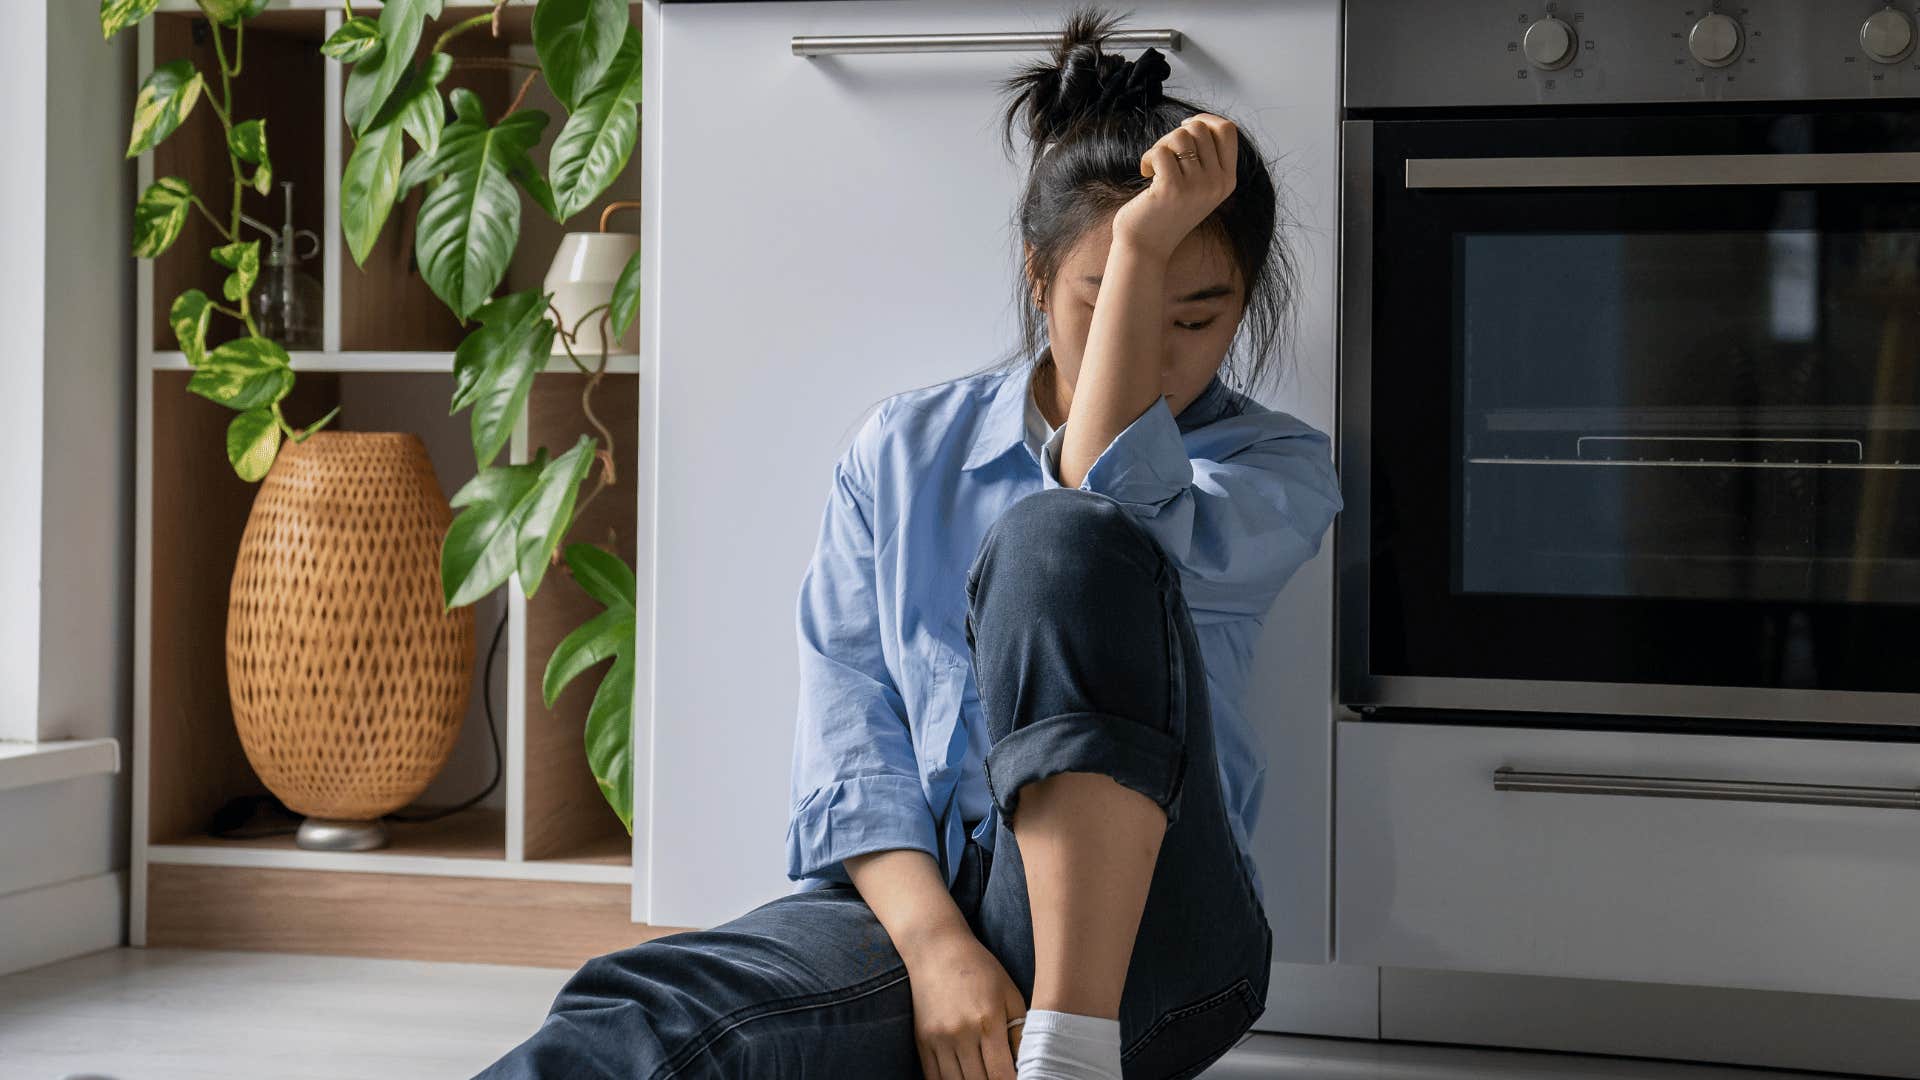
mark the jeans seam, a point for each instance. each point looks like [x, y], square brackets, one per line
[1184, 1011]
[703, 1042]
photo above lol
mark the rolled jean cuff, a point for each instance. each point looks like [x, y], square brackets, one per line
[1149, 761]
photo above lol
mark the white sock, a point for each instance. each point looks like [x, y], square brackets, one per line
[1068, 1046]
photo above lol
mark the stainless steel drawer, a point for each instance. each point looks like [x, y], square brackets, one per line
[1768, 863]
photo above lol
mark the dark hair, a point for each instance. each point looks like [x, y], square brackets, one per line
[1088, 121]
[1088, 116]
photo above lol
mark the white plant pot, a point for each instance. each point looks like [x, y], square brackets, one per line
[581, 279]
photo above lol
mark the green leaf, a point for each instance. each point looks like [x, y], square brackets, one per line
[253, 438]
[609, 738]
[229, 12]
[248, 141]
[494, 366]
[468, 227]
[160, 215]
[595, 142]
[626, 297]
[422, 113]
[591, 642]
[243, 258]
[604, 575]
[368, 187]
[117, 15]
[576, 40]
[356, 40]
[609, 732]
[165, 99]
[478, 553]
[246, 373]
[191, 312]
[374, 77]
[549, 512]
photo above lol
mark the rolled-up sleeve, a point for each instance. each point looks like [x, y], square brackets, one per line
[855, 783]
[1236, 528]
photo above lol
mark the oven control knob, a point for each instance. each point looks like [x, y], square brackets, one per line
[1715, 40]
[1887, 35]
[1549, 43]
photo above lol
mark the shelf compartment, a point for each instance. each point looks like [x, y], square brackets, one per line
[281, 81]
[199, 512]
[566, 815]
[385, 304]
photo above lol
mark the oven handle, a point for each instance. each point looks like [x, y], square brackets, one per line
[1667, 787]
[1663, 170]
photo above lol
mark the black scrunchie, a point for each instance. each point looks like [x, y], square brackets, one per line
[1134, 81]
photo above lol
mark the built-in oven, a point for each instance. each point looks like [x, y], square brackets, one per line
[1630, 359]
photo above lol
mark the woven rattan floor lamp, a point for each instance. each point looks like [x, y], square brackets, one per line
[348, 678]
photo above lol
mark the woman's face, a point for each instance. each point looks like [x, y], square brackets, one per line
[1194, 334]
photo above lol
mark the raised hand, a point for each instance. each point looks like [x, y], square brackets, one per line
[1193, 168]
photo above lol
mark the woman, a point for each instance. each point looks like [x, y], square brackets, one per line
[1022, 785]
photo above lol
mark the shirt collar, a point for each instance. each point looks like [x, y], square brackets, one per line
[1004, 424]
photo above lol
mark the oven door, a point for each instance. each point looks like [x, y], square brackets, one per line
[1630, 416]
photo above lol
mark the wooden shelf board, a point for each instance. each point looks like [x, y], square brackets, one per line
[397, 362]
[468, 844]
[614, 850]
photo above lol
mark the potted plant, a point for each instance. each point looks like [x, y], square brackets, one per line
[512, 518]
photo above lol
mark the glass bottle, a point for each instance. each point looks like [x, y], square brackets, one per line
[286, 299]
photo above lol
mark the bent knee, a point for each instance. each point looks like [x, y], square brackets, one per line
[1067, 539]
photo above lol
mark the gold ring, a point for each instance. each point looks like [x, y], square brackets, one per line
[1188, 154]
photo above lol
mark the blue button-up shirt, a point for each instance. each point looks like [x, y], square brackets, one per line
[1238, 494]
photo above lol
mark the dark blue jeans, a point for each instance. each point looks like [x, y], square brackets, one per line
[1086, 661]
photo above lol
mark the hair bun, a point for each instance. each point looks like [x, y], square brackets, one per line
[1134, 82]
[1081, 82]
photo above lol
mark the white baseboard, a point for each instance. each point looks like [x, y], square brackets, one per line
[58, 921]
[1340, 1000]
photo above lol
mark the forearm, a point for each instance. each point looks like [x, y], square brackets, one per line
[1119, 373]
[904, 888]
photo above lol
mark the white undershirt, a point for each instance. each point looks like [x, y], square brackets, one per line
[1038, 430]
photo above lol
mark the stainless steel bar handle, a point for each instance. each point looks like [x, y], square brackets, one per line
[1663, 170]
[1168, 40]
[1668, 787]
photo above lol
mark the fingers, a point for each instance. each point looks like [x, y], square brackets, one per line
[1199, 134]
[1160, 160]
[998, 1052]
[1226, 142]
[1213, 143]
[972, 1064]
[950, 1067]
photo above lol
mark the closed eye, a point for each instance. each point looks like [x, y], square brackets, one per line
[1197, 326]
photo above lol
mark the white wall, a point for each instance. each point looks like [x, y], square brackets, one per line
[66, 485]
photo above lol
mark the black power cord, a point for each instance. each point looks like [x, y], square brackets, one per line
[229, 822]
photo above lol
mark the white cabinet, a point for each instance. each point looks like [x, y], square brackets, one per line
[1439, 869]
[831, 230]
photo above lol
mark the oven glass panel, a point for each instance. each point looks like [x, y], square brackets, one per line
[1706, 415]
[1645, 434]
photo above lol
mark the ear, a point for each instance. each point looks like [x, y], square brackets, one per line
[1038, 292]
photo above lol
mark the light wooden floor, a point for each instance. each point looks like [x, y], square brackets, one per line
[188, 1014]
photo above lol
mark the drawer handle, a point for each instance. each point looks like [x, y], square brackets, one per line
[1168, 40]
[1669, 787]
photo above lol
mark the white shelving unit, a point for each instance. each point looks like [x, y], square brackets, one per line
[547, 829]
